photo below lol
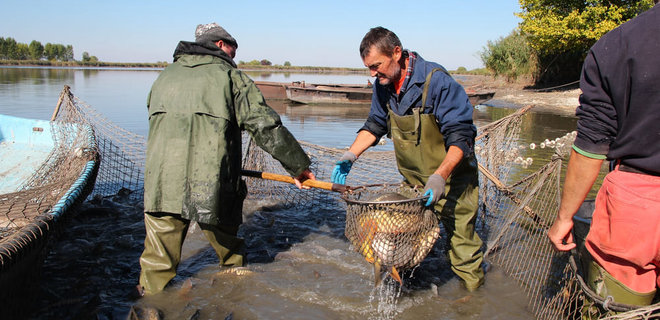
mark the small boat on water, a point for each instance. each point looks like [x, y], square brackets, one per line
[478, 97]
[47, 168]
[301, 92]
[272, 90]
[328, 93]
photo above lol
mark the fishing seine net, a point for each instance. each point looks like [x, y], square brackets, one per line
[73, 147]
[516, 209]
[33, 214]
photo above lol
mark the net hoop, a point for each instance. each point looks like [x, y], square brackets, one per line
[351, 196]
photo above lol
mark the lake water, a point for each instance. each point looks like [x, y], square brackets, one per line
[120, 95]
[303, 269]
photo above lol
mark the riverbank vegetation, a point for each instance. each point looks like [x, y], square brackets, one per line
[13, 53]
[551, 42]
[77, 63]
[242, 66]
[12, 50]
[510, 57]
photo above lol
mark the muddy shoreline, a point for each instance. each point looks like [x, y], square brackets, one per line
[561, 101]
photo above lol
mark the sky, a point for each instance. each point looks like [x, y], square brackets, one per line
[304, 33]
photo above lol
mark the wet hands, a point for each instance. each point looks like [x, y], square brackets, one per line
[343, 166]
[435, 189]
[305, 175]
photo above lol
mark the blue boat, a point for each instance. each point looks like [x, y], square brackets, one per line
[47, 168]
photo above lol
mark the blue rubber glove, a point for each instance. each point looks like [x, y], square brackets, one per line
[343, 167]
[435, 188]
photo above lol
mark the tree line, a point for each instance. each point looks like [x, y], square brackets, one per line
[552, 41]
[12, 50]
[263, 62]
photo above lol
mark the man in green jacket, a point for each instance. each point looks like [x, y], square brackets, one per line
[198, 107]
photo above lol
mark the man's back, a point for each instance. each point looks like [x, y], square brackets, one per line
[194, 144]
[194, 83]
[620, 106]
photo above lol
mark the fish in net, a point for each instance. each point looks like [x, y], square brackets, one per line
[390, 227]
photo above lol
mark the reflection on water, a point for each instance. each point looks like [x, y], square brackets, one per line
[330, 125]
[120, 95]
[303, 267]
[34, 76]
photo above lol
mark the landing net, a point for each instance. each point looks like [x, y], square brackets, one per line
[516, 208]
[389, 224]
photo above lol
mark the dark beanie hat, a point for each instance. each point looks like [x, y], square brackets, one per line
[212, 32]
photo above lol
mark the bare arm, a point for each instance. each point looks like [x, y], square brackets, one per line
[580, 176]
[363, 141]
[453, 158]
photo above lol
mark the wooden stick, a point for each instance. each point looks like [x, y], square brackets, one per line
[65, 91]
[57, 107]
[511, 196]
[284, 178]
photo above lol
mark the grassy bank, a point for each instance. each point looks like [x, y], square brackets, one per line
[101, 64]
[473, 72]
[245, 67]
[251, 67]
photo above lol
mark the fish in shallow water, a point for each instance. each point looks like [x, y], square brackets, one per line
[236, 271]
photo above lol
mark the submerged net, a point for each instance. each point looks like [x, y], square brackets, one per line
[516, 209]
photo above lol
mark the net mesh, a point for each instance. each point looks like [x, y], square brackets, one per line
[32, 213]
[73, 147]
[389, 225]
[516, 209]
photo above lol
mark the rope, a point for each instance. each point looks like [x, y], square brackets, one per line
[555, 87]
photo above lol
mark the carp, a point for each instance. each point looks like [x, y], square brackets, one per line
[426, 241]
[394, 251]
[235, 271]
[388, 238]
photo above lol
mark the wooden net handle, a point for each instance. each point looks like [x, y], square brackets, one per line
[288, 179]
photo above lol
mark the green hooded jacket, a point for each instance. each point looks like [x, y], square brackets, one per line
[198, 107]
